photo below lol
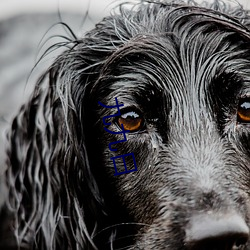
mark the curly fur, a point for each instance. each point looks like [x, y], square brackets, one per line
[184, 66]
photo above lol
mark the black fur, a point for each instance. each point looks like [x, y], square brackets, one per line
[184, 69]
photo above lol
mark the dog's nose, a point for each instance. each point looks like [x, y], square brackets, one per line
[217, 232]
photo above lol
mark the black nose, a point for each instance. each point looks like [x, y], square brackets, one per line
[217, 232]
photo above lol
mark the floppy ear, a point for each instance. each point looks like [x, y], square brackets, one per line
[51, 186]
[46, 172]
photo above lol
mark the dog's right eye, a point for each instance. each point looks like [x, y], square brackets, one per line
[131, 121]
[243, 113]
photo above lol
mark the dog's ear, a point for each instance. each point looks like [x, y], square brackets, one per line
[47, 171]
[51, 186]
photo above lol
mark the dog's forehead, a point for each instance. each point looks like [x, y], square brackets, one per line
[182, 42]
[166, 65]
[184, 57]
[187, 56]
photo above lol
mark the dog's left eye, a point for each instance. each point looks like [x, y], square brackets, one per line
[131, 121]
[243, 113]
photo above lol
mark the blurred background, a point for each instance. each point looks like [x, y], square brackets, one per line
[25, 26]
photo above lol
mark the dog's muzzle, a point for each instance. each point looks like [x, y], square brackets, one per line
[217, 232]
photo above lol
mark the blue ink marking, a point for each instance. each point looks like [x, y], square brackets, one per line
[120, 132]
[123, 158]
[110, 107]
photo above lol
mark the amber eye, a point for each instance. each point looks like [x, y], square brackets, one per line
[243, 113]
[131, 121]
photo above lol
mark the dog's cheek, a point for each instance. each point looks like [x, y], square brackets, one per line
[244, 138]
[137, 190]
[239, 138]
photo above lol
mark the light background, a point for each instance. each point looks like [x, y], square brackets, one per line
[96, 7]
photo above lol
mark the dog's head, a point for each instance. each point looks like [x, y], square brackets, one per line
[182, 74]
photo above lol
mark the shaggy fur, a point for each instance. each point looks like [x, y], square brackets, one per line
[184, 70]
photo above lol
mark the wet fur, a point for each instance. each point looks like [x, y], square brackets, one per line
[184, 68]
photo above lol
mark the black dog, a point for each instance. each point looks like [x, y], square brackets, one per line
[182, 73]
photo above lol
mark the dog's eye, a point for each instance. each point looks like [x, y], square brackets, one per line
[243, 113]
[131, 121]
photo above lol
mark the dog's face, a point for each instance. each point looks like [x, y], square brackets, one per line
[182, 75]
[185, 88]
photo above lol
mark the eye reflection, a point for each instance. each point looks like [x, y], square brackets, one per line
[243, 112]
[131, 121]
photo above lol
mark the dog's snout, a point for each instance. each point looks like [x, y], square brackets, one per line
[217, 232]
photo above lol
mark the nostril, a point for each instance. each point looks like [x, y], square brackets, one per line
[240, 242]
[223, 242]
[217, 232]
